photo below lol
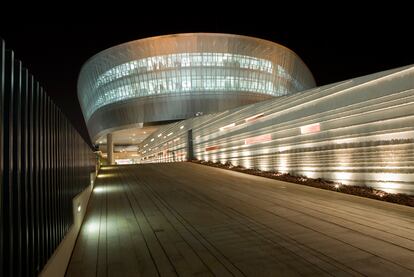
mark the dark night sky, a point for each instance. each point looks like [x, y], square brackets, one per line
[55, 52]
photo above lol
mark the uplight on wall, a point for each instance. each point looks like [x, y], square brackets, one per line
[312, 128]
[254, 117]
[258, 139]
[227, 127]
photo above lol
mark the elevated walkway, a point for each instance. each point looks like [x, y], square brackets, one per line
[187, 219]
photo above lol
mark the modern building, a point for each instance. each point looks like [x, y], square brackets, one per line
[126, 92]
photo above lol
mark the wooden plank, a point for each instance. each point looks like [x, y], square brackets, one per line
[187, 219]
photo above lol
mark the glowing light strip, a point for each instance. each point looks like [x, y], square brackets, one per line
[254, 117]
[227, 127]
[312, 128]
[258, 139]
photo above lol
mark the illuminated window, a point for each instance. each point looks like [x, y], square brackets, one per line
[170, 74]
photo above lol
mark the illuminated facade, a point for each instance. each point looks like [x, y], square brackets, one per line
[168, 78]
[358, 131]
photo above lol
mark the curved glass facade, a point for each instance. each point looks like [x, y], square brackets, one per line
[189, 65]
[185, 72]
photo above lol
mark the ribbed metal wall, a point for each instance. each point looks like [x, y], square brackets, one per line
[359, 131]
[44, 163]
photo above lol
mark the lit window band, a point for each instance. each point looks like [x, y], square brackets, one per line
[185, 73]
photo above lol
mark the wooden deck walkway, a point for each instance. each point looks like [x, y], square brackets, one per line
[185, 219]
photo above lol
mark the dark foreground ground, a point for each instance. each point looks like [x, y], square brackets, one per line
[188, 219]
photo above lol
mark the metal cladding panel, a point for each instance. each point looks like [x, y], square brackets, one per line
[358, 131]
[8, 227]
[163, 108]
[37, 179]
[24, 176]
[16, 189]
[196, 66]
[42, 194]
[31, 177]
[2, 209]
[38, 182]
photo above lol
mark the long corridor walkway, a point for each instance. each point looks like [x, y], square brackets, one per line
[184, 219]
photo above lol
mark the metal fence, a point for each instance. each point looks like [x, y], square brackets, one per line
[44, 163]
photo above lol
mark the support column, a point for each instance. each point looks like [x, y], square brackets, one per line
[190, 150]
[110, 148]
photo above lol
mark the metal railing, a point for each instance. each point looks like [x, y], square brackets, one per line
[44, 163]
